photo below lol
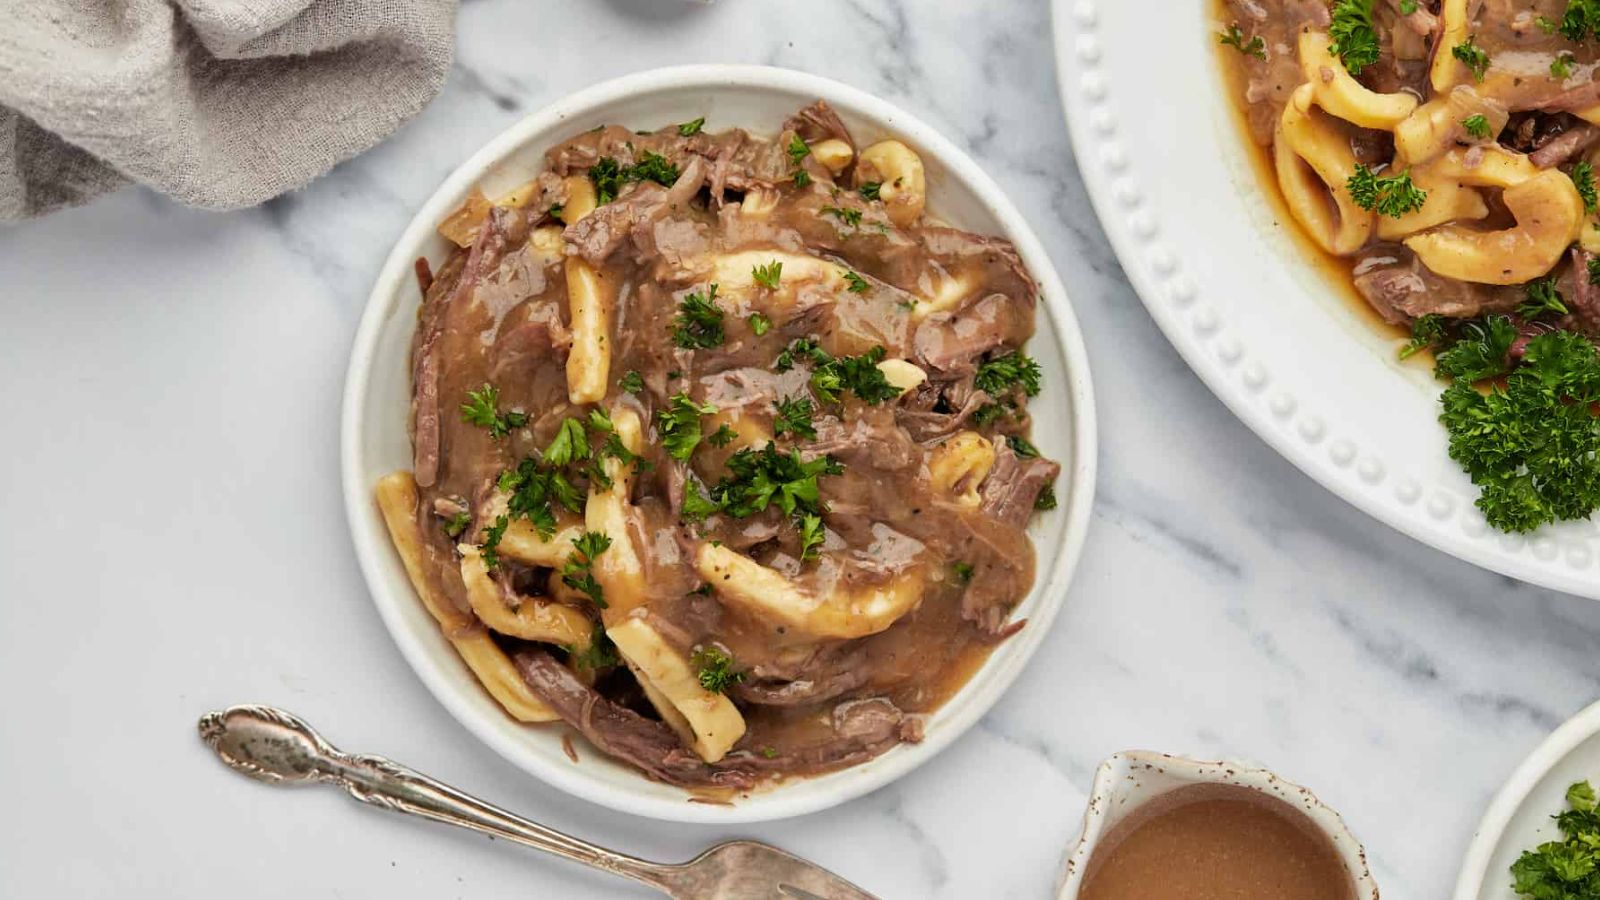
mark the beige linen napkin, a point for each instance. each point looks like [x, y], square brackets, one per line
[216, 103]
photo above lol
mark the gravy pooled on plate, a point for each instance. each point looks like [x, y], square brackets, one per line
[1210, 842]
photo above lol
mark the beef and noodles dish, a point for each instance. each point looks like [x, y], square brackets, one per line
[1443, 153]
[721, 448]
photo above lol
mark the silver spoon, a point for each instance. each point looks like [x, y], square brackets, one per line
[274, 746]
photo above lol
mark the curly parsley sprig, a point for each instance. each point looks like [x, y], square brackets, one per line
[1392, 195]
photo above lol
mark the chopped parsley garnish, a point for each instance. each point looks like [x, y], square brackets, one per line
[769, 752]
[1561, 66]
[491, 540]
[812, 534]
[794, 417]
[1392, 196]
[798, 149]
[482, 410]
[691, 127]
[1580, 20]
[1407, 7]
[1355, 41]
[1568, 869]
[1001, 374]
[963, 571]
[715, 669]
[1476, 125]
[768, 275]
[600, 654]
[600, 420]
[652, 167]
[830, 376]
[631, 383]
[698, 324]
[758, 479]
[859, 375]
[1594, 269]
[759, 324]
[680, 425]
[805, 349]
[1476, 58]
[987, 414]
[1234, 38]
[457, 523]
[857, 284]
[870, 190]
[555, 210]
[696, 505]
[570, 443]
[609, 177]
[845, 214]
[1483, 350]
[578, 573]
[1022, 447]
[1546, 24]
[1530, 447]
[1542, 298]
[1426, 332]
[1583, 180]
[723, 436]
[1046, 498]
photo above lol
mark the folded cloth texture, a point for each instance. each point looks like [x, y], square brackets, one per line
[218, 104]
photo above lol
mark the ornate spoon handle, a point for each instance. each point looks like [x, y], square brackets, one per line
[274, 746]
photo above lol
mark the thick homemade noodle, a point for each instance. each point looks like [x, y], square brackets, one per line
[643, 308]
[1498, 155]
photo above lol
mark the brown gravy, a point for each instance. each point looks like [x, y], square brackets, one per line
[1216, 842]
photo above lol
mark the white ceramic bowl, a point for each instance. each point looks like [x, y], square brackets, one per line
[1520, 817]
[377, 393]
[1128, 780]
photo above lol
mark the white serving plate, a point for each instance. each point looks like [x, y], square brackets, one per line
[1169, 173]
[1519, 818]
[377, 397]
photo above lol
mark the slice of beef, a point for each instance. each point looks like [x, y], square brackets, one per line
[1561, 149]
[828, 672]
[861, 729]
[443, 294]
[1014, 484]
[871, 437]
[598, 235]
[952, 342]
[939, 409]
[621, 732]
[1400, 288]
[818, 122]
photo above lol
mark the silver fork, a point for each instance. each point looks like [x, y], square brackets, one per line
[276, 747]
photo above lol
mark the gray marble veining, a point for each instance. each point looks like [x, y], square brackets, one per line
[170, 421]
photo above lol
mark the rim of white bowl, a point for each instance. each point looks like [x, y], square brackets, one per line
[1532, 770]
[982, 690]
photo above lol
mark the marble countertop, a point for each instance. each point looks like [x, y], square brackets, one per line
[174, 540]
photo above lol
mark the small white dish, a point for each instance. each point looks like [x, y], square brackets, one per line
[1127, 781]
[377, 400]
[1520, 816]
[1171, 177]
